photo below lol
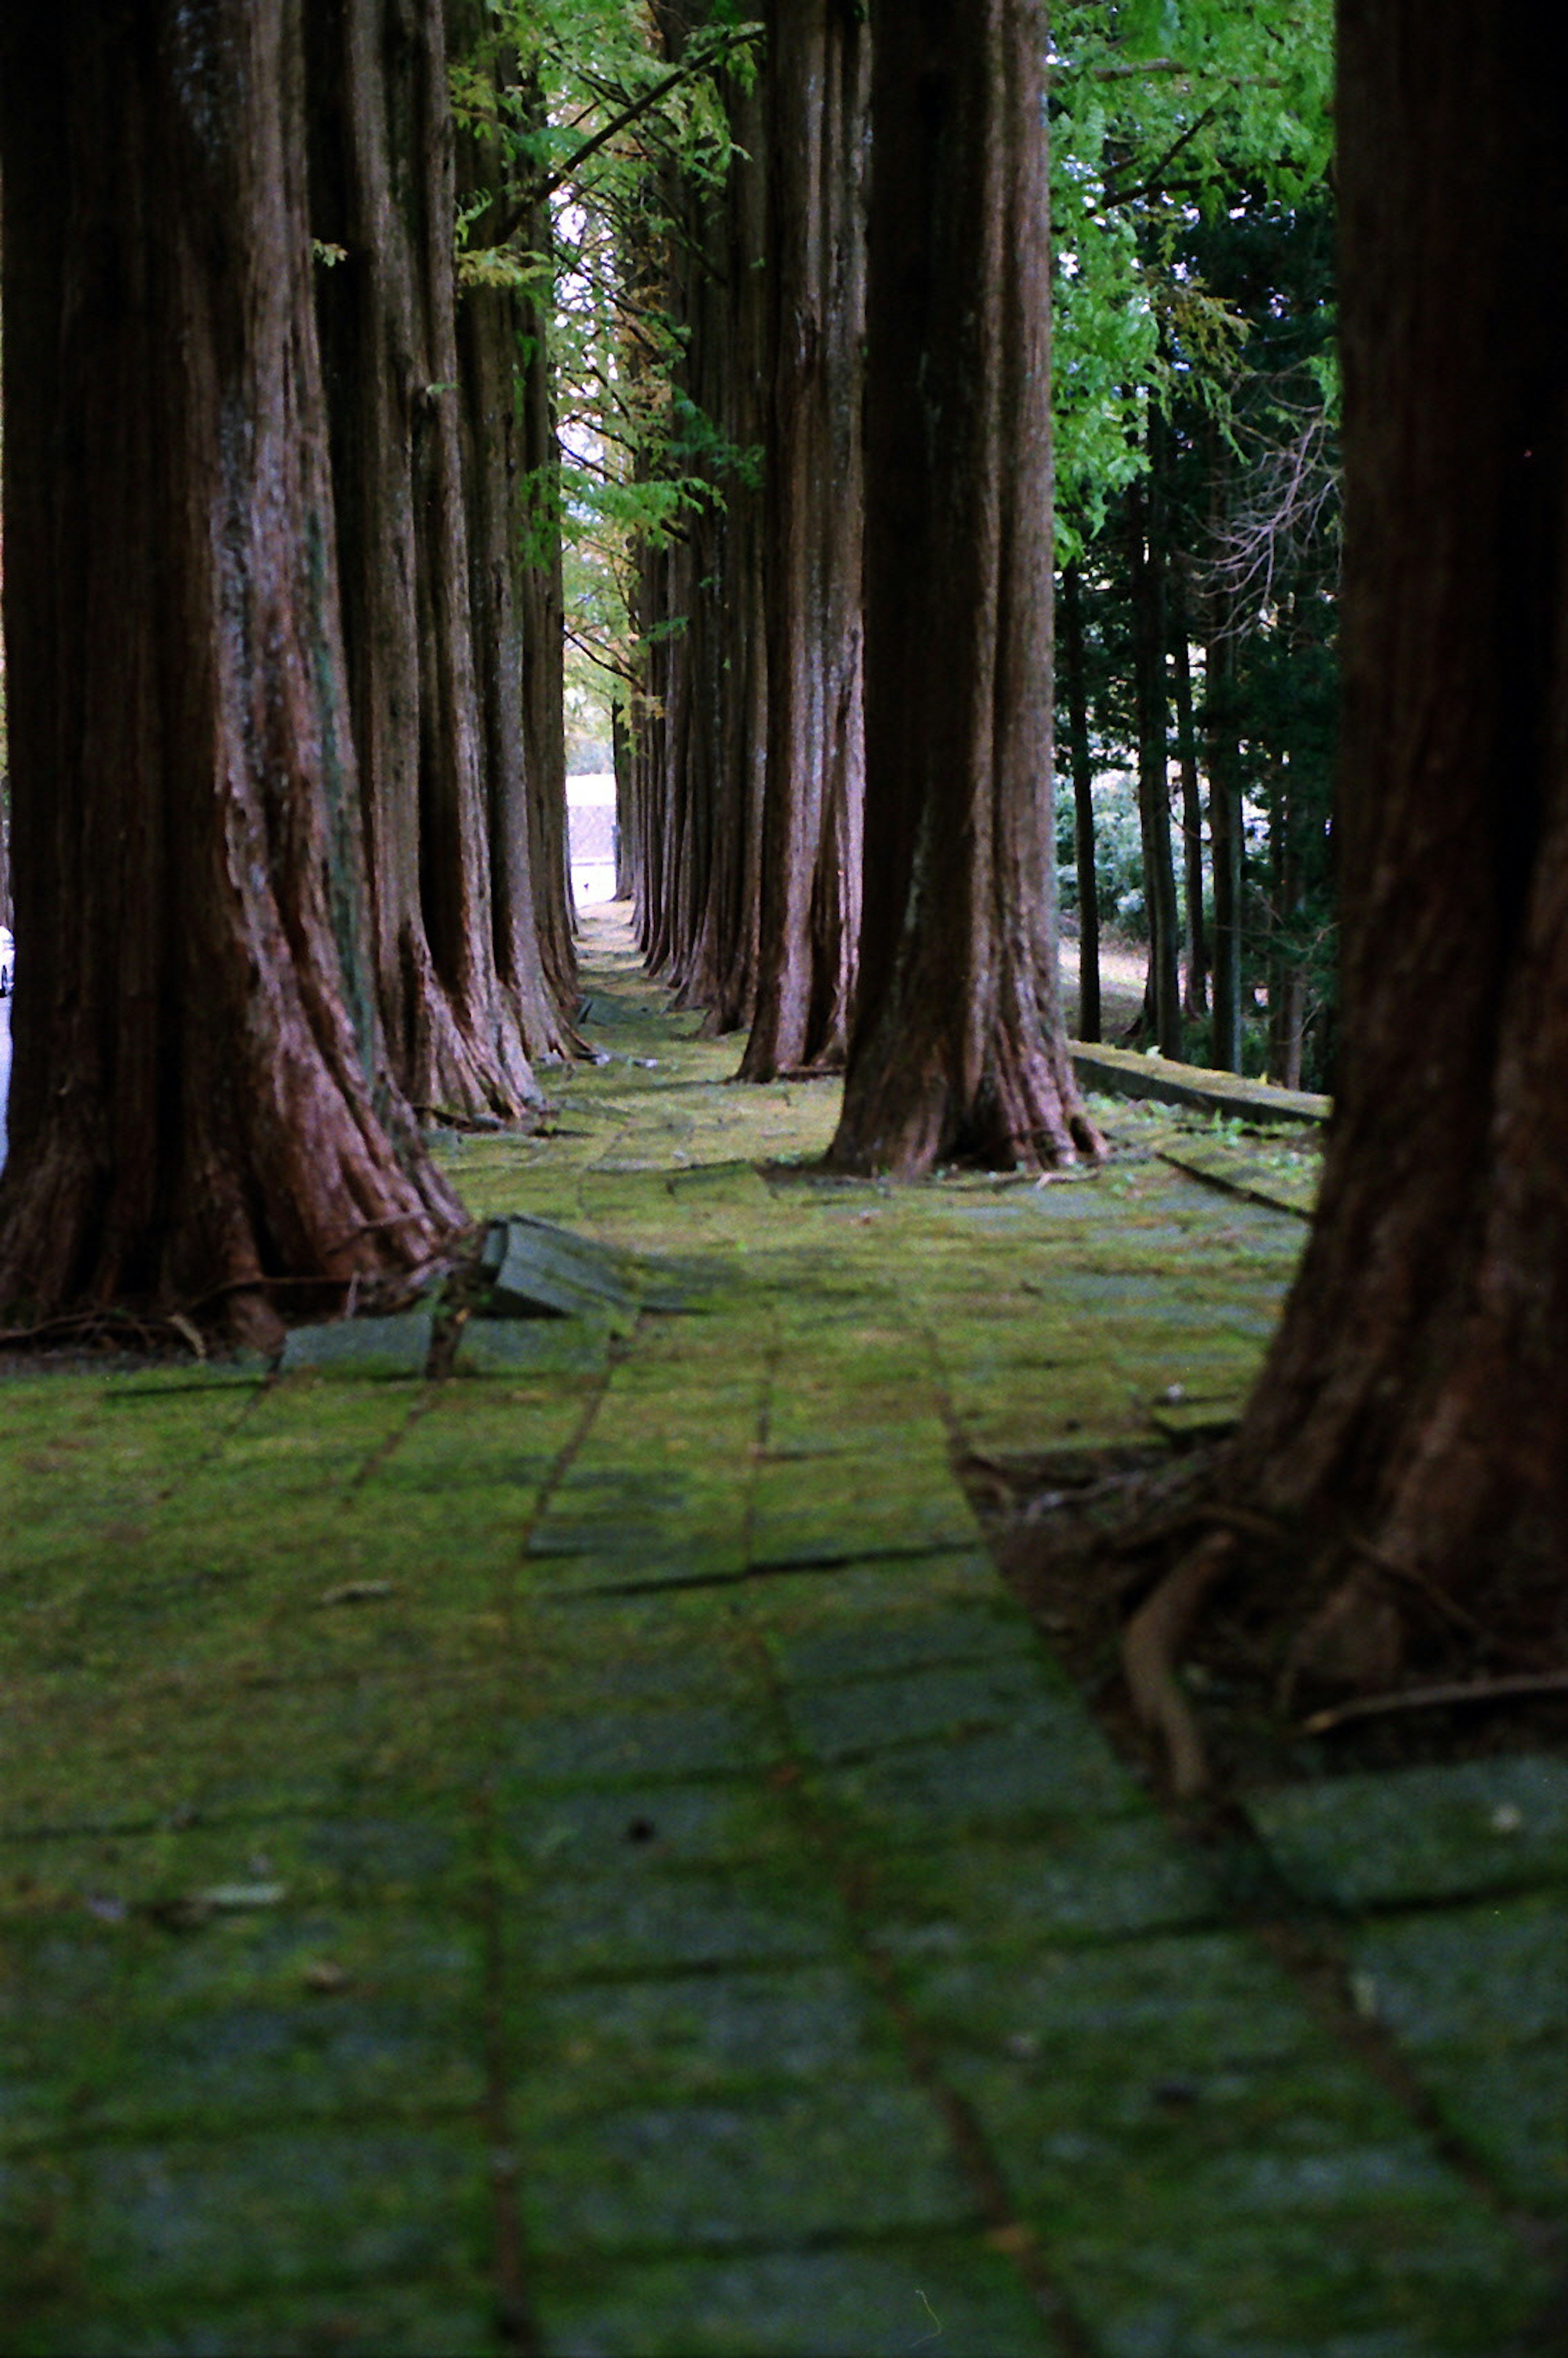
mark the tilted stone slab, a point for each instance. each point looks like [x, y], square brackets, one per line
[544, 1272]
[363, 1348]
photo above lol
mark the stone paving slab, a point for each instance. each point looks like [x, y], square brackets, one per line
[589, 1856]
[946, 2293]
[1420, 1833]
[362, 1348]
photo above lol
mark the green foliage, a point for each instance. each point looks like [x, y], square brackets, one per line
[1162, 111]
[596, 126]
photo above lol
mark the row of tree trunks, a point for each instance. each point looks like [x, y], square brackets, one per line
[703, 721]
[820, 79]
[384, 196]
[514, 567]
[958, 1048]
[201, 1104]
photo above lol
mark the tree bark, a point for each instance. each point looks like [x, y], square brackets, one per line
[959, 1047]
[1222, 758]
[1076, 685]
[514, 532]
[1287, 982]
[1162, 996]
[542, 618]
[1415, 1397]
[819, 69]
[201, 1104]
[713, 742]
[383, 192]
[1195, 991]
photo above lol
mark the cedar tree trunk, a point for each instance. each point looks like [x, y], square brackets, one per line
[384, 191]
[1416, 1399]
[1162, 994]
[959, 1046]
[1075, 686]
[513, 531]
[717, 720]
[819, 69]
[200, 1107]
[541, 601]
[1195, 994]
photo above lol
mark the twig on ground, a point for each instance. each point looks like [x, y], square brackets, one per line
[1469, 1690]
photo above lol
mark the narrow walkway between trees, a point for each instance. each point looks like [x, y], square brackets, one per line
[592, 1858]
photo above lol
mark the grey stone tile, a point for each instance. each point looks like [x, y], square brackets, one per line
[1420, 1833]
[670, 1921]
[363, 1348]
[949, 2294]
[603, 2047]
[840, 2163]
[1102, 1881]
[850, 1720]
[1440, 1979]
[533, 1347]
[627, 1746]
[1005, 1779]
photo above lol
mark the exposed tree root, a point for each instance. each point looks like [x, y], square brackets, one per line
[1149, 1645]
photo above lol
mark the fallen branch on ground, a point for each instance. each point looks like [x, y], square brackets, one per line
[1438, 1698]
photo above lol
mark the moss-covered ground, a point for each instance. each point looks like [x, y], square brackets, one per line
[585, 1854]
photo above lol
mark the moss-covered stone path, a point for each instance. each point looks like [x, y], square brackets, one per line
[594, 1860]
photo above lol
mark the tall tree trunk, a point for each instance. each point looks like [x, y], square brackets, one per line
[1223, 760]
[718, 771]
[1414, 1402]
[384, 192]
[820, 75]
[1162, 996]
[201, 1106]
[959, 1046]
[542, 616]
[1194, 993]
[1287, 981]
[702, 722]
[625, 801]
[513, 525]
[1076, 685]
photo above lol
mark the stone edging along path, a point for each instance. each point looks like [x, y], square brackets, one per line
[1126, 1073]
[588, 1856]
